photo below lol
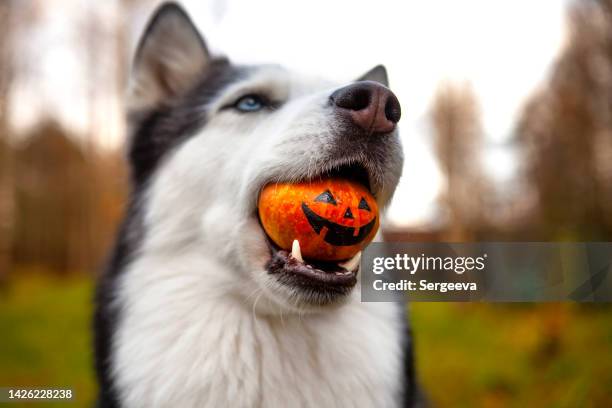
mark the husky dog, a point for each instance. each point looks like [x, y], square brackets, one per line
[198, 308]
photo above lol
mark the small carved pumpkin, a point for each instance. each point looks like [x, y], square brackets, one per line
[333, 219]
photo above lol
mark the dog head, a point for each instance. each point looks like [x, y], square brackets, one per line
[208, 135]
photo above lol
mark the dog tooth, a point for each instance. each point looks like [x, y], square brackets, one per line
[296, 252]
[352, 263]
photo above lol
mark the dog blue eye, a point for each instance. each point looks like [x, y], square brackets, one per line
[249, 103]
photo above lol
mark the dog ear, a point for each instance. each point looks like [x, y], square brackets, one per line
[376, 74]
[170, 58]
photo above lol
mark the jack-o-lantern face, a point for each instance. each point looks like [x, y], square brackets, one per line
[332, 219]
[347, 232]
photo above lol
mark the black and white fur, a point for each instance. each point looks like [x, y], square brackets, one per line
[187, 314]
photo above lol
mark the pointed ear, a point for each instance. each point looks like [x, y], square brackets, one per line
[376, 74]
[170, 58]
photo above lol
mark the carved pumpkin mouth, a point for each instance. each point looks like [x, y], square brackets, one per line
[336, 234]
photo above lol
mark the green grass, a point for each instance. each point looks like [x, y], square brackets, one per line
[46, 338]
[544, 355]
[468, 355]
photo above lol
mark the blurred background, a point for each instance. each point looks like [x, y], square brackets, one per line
[507, 130]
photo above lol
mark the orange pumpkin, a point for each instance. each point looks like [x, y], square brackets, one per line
[332, 219]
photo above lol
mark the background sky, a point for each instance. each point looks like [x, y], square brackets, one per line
[502, 48]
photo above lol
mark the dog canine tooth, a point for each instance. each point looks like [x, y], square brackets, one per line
[352, 263]
[296, 252]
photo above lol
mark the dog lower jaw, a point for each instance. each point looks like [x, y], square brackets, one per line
[312, 282]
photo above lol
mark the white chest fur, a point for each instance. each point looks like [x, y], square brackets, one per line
[183, 341]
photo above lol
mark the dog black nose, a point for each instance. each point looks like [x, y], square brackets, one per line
[372, 106]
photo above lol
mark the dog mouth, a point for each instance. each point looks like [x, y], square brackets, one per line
[321, 277]
[326, 280]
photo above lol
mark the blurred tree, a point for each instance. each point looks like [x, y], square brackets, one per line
[61, 194]
[55, 214]
[53, 185]
[105, 44]
[566, 131]
[16, 17]
[6, 66]
[6, 157]
[458, 140]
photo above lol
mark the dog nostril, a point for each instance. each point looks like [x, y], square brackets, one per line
[393, 111]
[352, 98]
[360, 100]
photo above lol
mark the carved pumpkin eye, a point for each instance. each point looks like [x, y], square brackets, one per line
[326, 197]
[363, 205]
